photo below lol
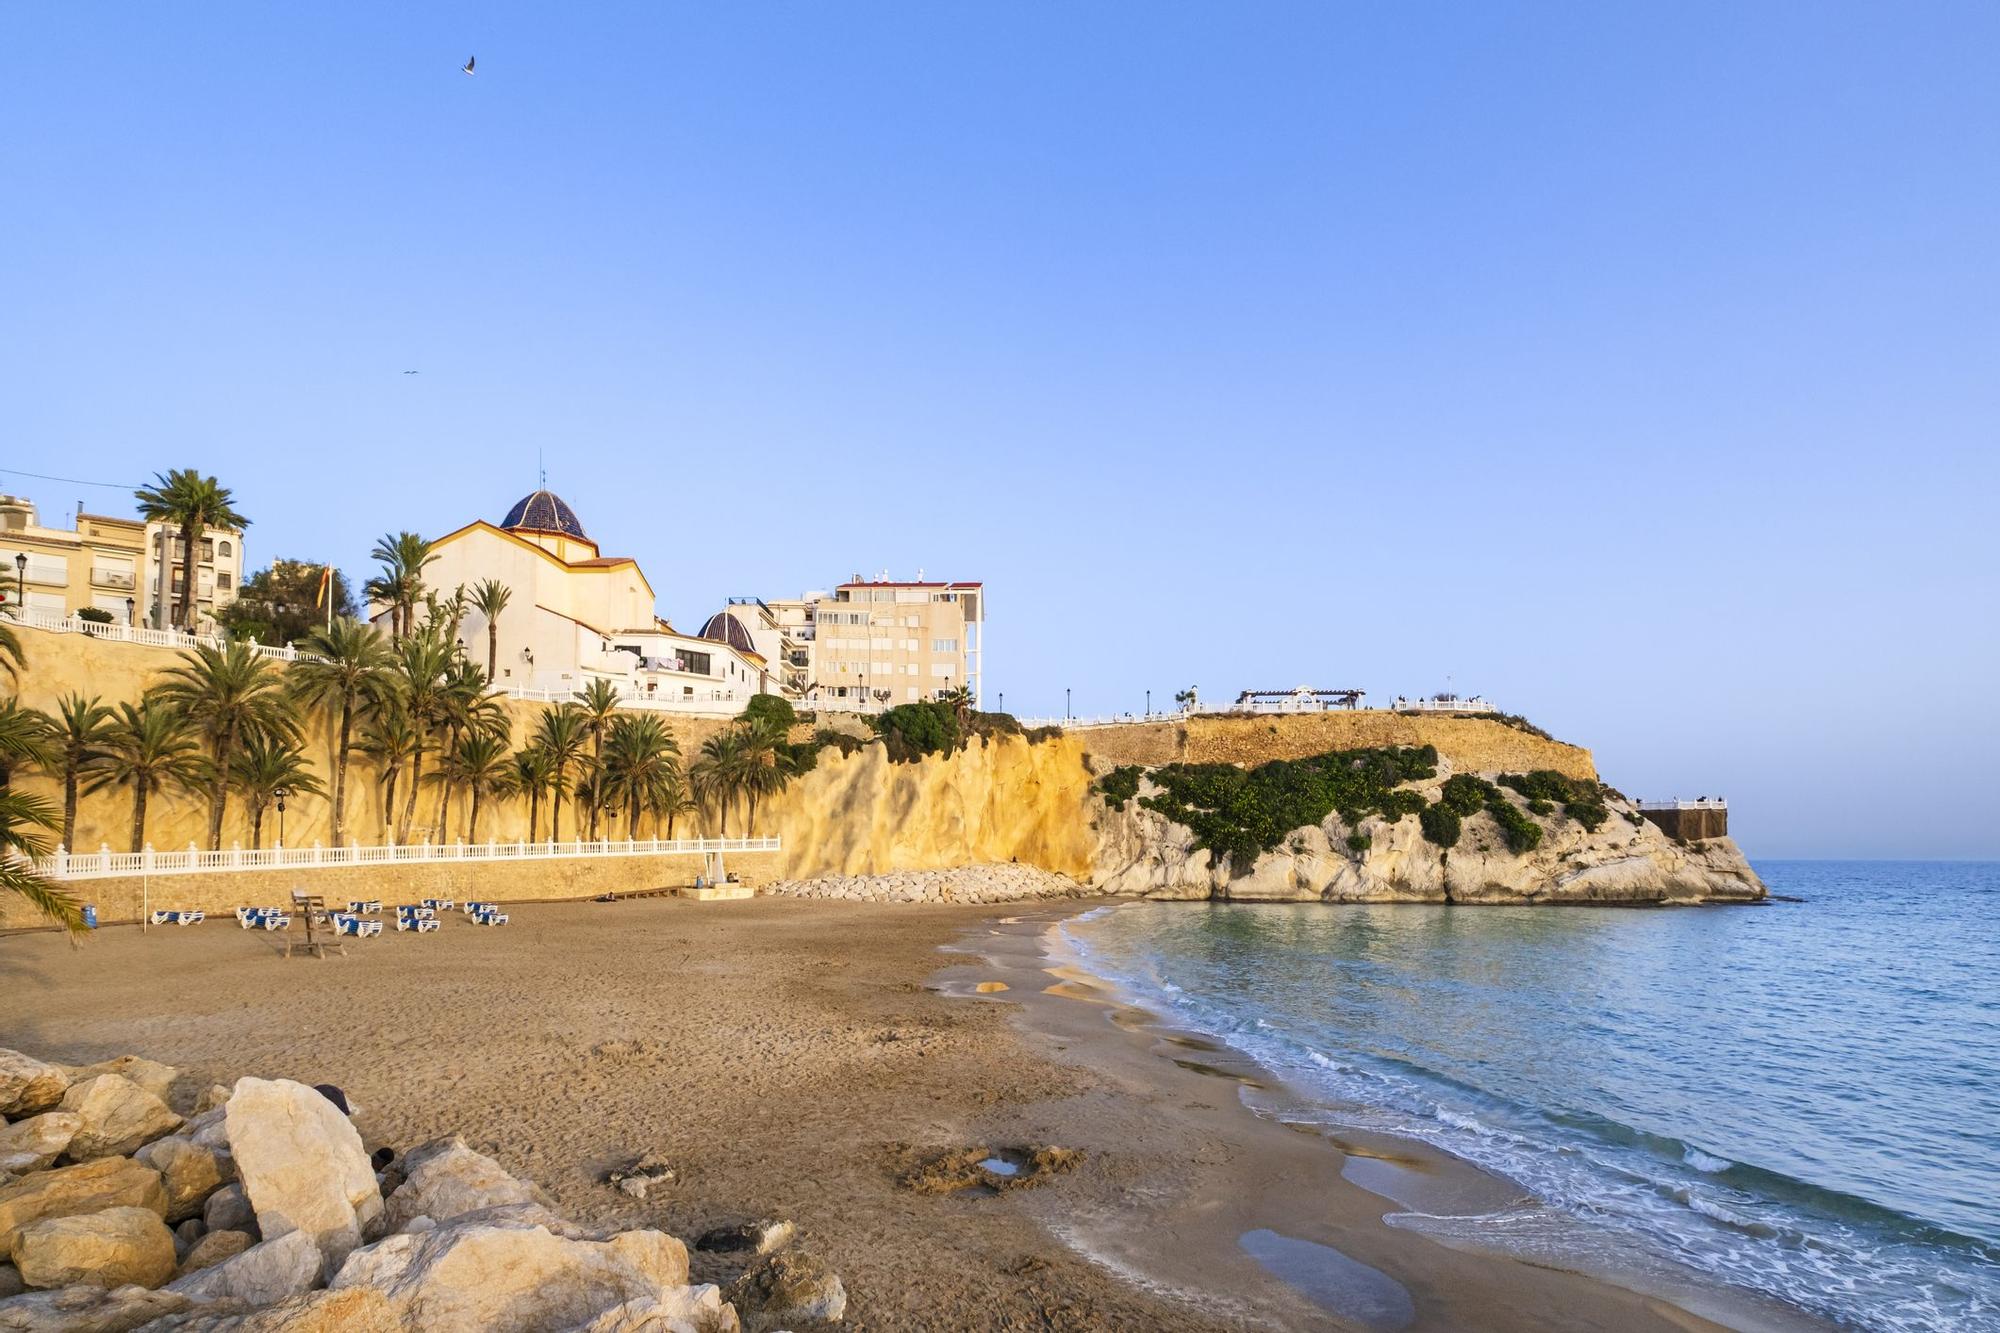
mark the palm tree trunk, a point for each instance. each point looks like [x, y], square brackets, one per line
[555, 812]
[389, 795]
[596, 781]
[534, 811]
[190, 534]
[218, 789]
[416, 781]
[340, 775]
[492, 648]
[256, 827]
[139, 816]
[472, 820]
[69, 804]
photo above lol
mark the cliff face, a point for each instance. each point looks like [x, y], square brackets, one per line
[995, 801]
[1140, 852]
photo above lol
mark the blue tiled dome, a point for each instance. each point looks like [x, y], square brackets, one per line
[544, 511]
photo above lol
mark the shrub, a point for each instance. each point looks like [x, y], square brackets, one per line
[1036, 735]
[992, 724]
[1541, 807]
[1396, 805]
[839, 740]
[912, 731]
[1119, 786]
[1467, 795]
[775, 709]
[1590, 814]
[1523, 833]
[1581, 801]
[96, 615]
[1359, 842]
[1441, 825]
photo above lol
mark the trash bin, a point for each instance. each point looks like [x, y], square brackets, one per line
[90, 916]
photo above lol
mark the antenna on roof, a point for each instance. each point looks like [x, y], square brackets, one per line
[542, 471]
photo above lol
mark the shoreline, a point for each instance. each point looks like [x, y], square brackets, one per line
[1342, 1187]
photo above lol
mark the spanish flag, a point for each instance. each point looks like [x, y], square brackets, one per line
[325, 582]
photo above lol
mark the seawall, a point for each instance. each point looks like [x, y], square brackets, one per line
[1469, 744]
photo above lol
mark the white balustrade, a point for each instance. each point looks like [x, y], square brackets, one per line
[157, 638]
[67, 865]
[1699, 803]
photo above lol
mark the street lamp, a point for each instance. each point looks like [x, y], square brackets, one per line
[21, 577]
[1066, 714]
[281, 794]
[1003, 701]
[131, 611]
[1149, 703]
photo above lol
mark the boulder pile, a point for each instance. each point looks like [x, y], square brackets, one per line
[262, 1211]
[1007, 883]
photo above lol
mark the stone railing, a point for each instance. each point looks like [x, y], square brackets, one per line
[1698, 803]
[156, 638]
[65, 865]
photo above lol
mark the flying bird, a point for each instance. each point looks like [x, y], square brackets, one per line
[468, 65]
[409, 372]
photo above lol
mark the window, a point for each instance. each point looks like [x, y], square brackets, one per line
[944, 645]
[941, 669]
[223, 549]
[884, 668]
[910, 693]
[208, 550]
[909, 645]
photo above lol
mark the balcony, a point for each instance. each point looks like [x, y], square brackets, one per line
[113, 578]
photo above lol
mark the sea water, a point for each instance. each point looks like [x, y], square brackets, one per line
[1799, 1098]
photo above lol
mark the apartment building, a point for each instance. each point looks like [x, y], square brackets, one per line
[110, 565]
[876, 643]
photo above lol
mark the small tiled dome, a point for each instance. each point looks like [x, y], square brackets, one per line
[544, 511]
[725, 628]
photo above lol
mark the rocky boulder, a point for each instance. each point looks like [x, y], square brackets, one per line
[446, 1179]
[28, 1085]
[70, 1191]
[35, 1143]
[228, 1209]
[214, 1247]
[118, 1116]
[789, 1287]
[191, 1172]
[687, 1310]
[113, 1248]
[151, 1075]
[301, 1165]
[491, 1279]
[358, 1310]
[276, 1270]
[88, 1310]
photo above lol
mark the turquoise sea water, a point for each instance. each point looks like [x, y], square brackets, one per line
[1801, 1099]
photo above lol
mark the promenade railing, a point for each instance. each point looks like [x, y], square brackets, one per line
[157, 638]
[67, 865]
[1699, 803]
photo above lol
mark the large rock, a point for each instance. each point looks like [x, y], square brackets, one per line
[118, 1116]
[214, 1247]
[28, 1085]
[191, 1172]
[684, 1310]
[264, 1274]
[35, 1143]
[211, 1098]
[113, 1248]
[302, 1165]
[787, 1288]
[357, 1310]
[151, 1075]
[446, 1179]
[228, 1209]
[87, 1310]
[110, 1182]
[10, 1281]
[496, 1279]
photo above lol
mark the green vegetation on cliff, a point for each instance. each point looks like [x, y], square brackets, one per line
[1581, 801]
[1243, 812]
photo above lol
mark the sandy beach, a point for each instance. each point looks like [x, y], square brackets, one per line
[826, 1063]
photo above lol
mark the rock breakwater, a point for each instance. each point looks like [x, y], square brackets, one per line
[967, 884]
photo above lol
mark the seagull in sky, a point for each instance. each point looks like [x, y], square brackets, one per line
[468, 65]
[409, 372]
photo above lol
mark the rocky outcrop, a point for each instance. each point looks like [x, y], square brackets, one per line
[1141, 853]
[787, 1288]
[968, 884]
[190, 1170]
[28, 1085]
[118, 1116]
[302, 1165]
[214, 1247]
[86, 1309]
[35, 1143]
[263, 1274]
[71, 1191]
[112, 1248]
[446, 1179]
[151, 1075]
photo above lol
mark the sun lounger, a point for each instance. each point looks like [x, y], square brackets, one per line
[474, 908]
[425, 912]
[189, 918]
[346, 923]
[438, 904]
[489, 918]
[417, 923]
[365, 907]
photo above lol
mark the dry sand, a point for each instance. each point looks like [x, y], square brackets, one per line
[806, 1060]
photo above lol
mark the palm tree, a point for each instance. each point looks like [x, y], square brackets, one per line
[266, 765]
[489, 599]
[346, 670]
[672, 799]
[465, 709]
[561, 735]
[641, 761]
[147, 750]
[20, 815]
[421, 662]
[24, 739]
[717, 776]
[767, 764]
[77, 734]
[532, 774]
[482, 764]
[228, 694]
[193, 504]
[598, 701]
[11, 657]
[390, 739]
[404, 556]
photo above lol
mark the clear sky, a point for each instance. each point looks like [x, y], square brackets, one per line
[1632, 364]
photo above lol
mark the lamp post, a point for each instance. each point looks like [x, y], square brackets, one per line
[1003, 701]
[21, 578]
[281, 794]
[1066, 713]
[131, 611]
[1149, 703]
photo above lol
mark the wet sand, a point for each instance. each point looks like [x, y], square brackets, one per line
[805, 1060]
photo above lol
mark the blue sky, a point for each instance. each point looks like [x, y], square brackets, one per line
[1631, 364]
